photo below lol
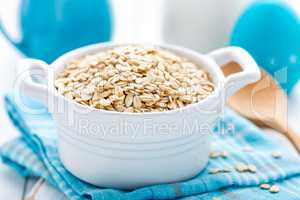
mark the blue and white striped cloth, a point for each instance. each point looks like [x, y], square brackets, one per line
[35, 154]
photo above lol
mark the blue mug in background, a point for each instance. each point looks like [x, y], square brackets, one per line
[50, 28]
[270, 31]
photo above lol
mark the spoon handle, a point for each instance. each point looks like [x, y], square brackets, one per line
[32, 194]
[294, 138]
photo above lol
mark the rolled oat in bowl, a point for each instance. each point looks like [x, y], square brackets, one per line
[134, 79]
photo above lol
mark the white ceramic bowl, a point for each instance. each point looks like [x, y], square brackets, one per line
[129, 150]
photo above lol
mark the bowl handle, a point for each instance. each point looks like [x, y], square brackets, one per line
[250, 71]
[32, 76]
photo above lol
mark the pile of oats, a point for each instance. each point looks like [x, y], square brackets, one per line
[134, 79]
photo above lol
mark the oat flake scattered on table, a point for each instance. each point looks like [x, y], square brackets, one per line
[134, 79]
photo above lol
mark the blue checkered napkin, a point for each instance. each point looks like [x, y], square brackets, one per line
[26, 162]
[289, 190]
[35, 153]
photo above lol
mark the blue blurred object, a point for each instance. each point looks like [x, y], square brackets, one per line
[270, 31]
[50, 28]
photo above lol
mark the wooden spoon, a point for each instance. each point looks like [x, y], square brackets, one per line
[35, 189]
[264, 103]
